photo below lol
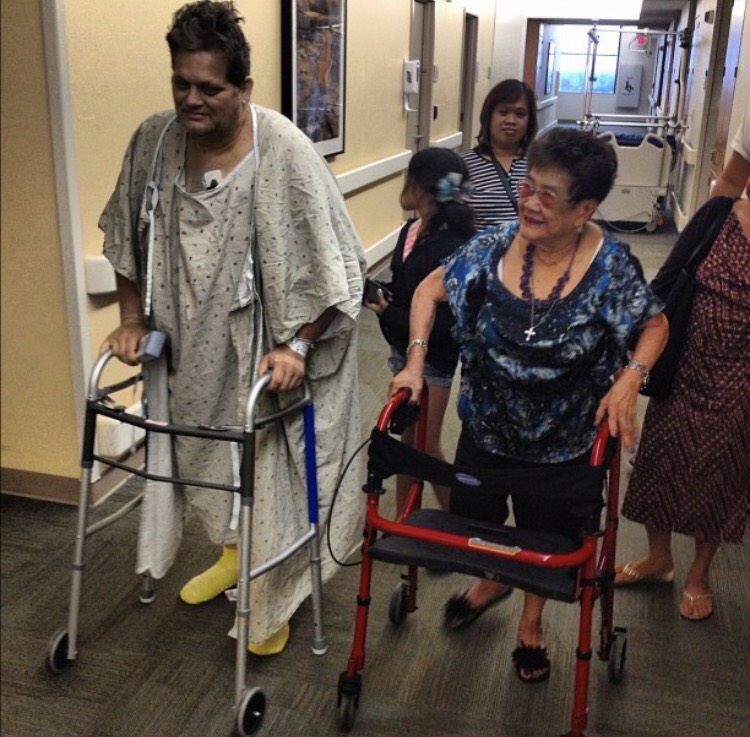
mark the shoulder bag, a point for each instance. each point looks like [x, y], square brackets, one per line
[505, 180]
[675, 285]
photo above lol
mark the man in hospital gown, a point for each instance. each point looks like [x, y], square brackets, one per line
[228, 232]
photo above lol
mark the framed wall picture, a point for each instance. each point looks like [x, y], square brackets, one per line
[313, 70]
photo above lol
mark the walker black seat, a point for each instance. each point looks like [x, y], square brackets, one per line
[552, 583]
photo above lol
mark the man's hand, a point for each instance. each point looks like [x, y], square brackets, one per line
[619, 407]
[124, 341]
[287, 369]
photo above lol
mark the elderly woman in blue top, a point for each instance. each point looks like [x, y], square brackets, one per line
[544, 310]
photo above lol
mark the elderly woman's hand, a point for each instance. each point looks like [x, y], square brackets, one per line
[619, 408]
[410, 378]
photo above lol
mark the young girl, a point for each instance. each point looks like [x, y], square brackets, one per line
[437, 187]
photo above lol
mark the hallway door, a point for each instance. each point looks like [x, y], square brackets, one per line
[422, 48]
[468, 80]
[726, 93]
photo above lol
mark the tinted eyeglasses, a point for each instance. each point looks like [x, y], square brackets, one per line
[546, 197]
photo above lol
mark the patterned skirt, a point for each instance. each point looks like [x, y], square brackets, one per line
[692, 471]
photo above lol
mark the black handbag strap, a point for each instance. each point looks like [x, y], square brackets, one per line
[703, 247]
[702, 231]
[505, 179]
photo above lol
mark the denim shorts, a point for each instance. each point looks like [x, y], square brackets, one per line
[432, 376]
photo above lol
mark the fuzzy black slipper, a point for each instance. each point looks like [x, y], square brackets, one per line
[459, 613]
[532, 661]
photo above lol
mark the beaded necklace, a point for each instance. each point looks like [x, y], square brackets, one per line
[527, 287]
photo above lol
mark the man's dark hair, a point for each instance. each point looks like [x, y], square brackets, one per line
[212, 26]
[506, 93]
[590, 162]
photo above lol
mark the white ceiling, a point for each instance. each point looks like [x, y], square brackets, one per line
[659, 13]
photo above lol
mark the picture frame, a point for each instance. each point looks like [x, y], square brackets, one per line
[313, 70]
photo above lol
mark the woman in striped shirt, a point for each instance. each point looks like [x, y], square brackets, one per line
[508, 124]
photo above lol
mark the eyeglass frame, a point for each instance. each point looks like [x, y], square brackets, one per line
[542, 193]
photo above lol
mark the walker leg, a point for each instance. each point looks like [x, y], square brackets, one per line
[350, 680]
[243, 600]
[357, 657]
[147, 594]
[579, 716]
[319, 646]
[76, 571]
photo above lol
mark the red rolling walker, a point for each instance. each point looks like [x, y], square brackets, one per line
[546, 564]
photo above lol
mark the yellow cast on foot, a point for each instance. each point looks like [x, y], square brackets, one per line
[273, 645]
[209, 584]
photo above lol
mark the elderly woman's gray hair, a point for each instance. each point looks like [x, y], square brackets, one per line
[590, 162]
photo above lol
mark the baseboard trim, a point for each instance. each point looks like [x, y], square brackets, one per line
[47, 487]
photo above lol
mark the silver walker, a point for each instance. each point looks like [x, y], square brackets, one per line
[249, 702]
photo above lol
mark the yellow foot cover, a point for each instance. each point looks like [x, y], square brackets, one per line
[273, 645]
[209, 584]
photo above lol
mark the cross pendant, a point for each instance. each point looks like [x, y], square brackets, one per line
[529, 333]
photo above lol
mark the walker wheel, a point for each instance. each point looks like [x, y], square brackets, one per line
[57, 658]
[347, 711]
[651, 225]
[617, 656]
[347, 699]
[249, 713]
[397, 608]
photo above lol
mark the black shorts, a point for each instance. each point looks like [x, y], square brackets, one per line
[566, 498]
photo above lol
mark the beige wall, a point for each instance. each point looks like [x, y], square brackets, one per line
[38, 427]
[375, 118]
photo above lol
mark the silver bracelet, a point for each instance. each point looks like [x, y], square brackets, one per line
[641, 368]
[417, 341]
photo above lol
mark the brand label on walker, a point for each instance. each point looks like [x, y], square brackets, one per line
[478, 542]
[465, 478]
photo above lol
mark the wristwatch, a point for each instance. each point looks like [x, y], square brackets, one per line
[300, 345]
[642, 369]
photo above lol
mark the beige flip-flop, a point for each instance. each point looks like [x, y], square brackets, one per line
[629, 575]
[692, 598]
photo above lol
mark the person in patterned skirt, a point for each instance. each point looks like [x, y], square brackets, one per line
[692, 470]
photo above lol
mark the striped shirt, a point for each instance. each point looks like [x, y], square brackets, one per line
[489, 201]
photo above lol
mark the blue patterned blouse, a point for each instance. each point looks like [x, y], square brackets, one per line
[535, 400]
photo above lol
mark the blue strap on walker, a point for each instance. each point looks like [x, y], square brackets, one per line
[311, 464]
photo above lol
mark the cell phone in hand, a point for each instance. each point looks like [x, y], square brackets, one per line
[371, 291]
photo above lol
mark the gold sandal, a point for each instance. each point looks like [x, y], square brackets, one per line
[692, 598]
[629, 575]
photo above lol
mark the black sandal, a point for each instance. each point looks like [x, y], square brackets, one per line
[532, 659]
[459, 613]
